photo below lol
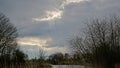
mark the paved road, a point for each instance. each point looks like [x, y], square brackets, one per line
[67, 66]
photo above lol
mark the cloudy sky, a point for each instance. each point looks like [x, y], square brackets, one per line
[49, 24]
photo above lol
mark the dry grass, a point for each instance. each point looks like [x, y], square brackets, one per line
[26, 65]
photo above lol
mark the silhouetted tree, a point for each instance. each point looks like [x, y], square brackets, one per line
[8, 34]
[19, 56]
[77, 57]
[41, 56]
[66, 56]
[101, 43]
[56, 58]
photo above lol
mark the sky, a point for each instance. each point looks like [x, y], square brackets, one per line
[50, 24]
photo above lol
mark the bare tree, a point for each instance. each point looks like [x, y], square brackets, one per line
[41, 56]
[101, 43]
[8, 34]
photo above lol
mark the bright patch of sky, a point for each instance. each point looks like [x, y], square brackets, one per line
[58, 12]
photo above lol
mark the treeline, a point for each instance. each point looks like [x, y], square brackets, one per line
[57, 58]
[61, 59]
[64, 59]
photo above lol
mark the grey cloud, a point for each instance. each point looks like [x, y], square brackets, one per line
[21, 12]
[32, 51]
